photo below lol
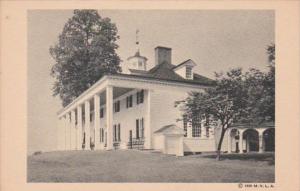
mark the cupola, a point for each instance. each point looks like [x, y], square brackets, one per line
[137, 61]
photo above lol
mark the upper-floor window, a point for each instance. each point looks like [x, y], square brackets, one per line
[91, 116]
[140, 97]
[129, 101]
[117, 106]
[101, 112]
[188, 73]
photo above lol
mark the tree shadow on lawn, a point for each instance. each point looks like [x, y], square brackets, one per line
[267, 157]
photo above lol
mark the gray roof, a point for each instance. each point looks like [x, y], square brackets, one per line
[165, 72]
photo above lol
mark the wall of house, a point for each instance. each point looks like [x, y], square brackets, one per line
[163, 111]
[126, 117]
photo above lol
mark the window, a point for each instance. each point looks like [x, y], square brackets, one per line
[142, 127]
[91, 116]
[117, 133]
[76, 118]
[140, 63]
[101, 112]
[117, 106]
[129, 101]
[196, 127]
[140, 97]
[188, 73]
[185, 125]
[140, 130]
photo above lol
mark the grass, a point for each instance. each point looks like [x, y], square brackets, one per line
[147, 166]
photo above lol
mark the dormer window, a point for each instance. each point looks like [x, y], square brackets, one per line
[185, 69]
[188, 72]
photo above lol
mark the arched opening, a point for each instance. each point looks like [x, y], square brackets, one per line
[252, 140]
[234, 140]
[269, 139]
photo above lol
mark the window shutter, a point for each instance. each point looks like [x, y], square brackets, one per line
[114, 133]
[119, 132]
[137, 128]
[142, 128]
[142, 96]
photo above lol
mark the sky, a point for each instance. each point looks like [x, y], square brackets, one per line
[216, 40]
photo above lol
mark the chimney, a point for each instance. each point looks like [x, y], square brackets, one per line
[163, 54]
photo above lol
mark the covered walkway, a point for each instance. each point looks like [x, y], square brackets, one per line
[251, 138]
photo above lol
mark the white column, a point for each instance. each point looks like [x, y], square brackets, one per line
[68, 130]
[87, 129]
[79, 128]
[65, 131]
[97, 120]
[62, 134]
[109, 116]
[261, 140]
[148, 130]
[229, 141]
[73, 131]
[59, 135]
[241, 141]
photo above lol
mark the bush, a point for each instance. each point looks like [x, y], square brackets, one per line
[37, 153]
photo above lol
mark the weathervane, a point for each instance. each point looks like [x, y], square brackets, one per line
[137, 39]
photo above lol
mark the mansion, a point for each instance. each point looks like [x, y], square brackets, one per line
[136, 110]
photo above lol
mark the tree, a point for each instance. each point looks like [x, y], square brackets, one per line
[224, 103]
[236, 97]
[86, 50]
[261, 91]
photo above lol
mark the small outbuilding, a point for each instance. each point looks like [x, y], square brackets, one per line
[169, 139]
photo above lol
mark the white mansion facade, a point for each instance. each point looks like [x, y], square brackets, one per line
[136, 109]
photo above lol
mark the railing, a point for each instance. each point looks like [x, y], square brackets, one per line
[136, 143]
[116, 144]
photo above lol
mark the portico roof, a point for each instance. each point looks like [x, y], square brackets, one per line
[126, 81]
[254, 125]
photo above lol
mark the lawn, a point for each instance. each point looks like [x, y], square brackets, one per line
[147, 166]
